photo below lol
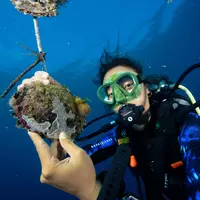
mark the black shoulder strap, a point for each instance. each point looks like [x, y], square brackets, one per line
[166, 138]
[168, 130]
[115, 175]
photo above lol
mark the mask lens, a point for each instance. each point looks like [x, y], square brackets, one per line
[106, 94]
[127, 83]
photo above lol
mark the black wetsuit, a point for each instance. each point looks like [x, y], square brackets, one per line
[189, 147]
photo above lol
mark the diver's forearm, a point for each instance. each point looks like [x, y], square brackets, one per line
[93, 194]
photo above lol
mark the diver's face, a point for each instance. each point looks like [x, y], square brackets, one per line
[141, 100]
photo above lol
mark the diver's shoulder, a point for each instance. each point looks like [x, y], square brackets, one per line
[191, 120]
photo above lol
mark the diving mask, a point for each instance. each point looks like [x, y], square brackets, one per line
[120, 88]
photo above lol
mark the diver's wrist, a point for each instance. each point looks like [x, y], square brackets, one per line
[93, 194]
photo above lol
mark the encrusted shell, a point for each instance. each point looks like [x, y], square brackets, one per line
[39, 8]
[48, 110]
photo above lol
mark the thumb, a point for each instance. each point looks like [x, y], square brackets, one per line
[67, 144]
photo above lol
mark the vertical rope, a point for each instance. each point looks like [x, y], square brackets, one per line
[37, 34]
[39, 44]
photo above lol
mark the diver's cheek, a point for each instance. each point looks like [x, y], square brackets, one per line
[141, 100]
[138, 102]
[116, 109]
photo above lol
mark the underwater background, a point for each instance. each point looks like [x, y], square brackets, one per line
[163, 34]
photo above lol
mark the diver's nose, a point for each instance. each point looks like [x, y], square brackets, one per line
[120, 99]
[119, 96]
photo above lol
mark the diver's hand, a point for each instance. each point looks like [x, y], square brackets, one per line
[75, 175]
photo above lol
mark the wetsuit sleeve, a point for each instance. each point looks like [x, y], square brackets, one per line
[189, 140]
[103, 148]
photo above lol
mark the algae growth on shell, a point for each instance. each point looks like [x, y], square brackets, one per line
[49, 110]
[39, 8]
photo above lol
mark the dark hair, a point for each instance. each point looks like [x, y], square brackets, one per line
[109, 61]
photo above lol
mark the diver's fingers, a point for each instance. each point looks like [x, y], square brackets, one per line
[49, 181]
[71, 148]
[61, 152]
[57, 151]
[43, 180]
[42, 148]
[54, 149]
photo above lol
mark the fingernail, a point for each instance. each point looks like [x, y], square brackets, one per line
[31, 132]
[63, 135]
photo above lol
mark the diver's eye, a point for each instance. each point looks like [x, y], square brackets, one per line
[127, 83]
[109, 93]
[129, 86]
[110, 96]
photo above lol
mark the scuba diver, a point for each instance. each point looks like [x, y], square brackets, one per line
[161, 140]
[156, 134]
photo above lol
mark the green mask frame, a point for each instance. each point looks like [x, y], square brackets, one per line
[120, 95]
